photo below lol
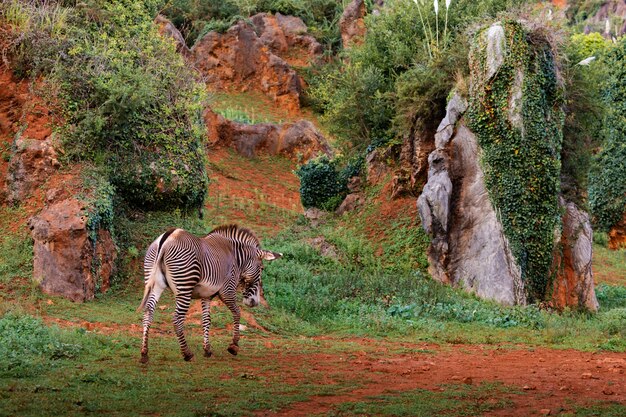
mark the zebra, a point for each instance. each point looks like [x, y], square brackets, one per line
[228, 258]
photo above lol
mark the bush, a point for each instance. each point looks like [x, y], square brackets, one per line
[584, 112]
[607, 182]
[397, 77]
[125, 98]
[321, 184]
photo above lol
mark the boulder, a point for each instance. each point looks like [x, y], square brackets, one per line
[31, 164]
[468, 248]
[167, 29]
[573, 284]
[282, 34]
[299, 141]
[66, 261]
[239, 58]
[352, 202]
[499, 252]
[352, 24]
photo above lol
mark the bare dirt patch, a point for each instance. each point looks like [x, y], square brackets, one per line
[544, 379]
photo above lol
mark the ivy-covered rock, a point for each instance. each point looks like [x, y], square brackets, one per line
[515, 112]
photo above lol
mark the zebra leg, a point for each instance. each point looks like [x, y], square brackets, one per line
[182, 306]
[147, 320]
[206, 325]
[231, 303]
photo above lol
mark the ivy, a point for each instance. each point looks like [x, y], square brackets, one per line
[521, 159]
[607, 182]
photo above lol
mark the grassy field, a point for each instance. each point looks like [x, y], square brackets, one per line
[61, 358]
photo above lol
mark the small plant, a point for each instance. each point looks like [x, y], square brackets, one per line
[321, 184]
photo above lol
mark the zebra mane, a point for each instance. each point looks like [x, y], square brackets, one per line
[239, 234]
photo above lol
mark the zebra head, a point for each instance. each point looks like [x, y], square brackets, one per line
[252, 287]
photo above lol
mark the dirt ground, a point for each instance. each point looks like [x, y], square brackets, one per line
[553, 380]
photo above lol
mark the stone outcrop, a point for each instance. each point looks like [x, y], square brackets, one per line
[573, 282]
[288, 38]
[66, 262]
[474, 245]
[617, 235]
[167, 29]
[240, 59]
[31, 164]
[299, 141]
[352, 23]
[468, 248]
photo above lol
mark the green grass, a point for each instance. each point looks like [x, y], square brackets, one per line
[609, 266]
[249, 107]
[16, 248]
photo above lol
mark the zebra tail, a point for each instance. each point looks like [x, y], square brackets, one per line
[146, 294]
[151, 281]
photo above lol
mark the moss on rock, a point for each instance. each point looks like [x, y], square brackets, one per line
[515, 111]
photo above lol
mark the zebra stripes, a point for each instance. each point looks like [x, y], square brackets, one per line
[192, 267]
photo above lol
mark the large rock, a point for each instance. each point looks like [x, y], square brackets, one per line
[352, 23]
[66, 262]
[299, 141]
[490, 232]
[239, 58]
[468, 248]
[30, 166]
[287, 37]
[573, 281]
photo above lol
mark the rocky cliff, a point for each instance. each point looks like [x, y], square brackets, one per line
[491, 203]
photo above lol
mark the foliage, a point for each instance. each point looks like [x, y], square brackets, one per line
[607, 182]
[127, 100]
[322, 185]
[16, 255]
[611, 296]
[27, 346]
[584, 111]
[100, 203]
[521, 162]
[196, 18]
[383, 85]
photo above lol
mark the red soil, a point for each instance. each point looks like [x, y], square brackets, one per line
[555, 380]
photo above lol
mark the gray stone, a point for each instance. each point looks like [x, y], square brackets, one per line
[573, 282]
[495, 49]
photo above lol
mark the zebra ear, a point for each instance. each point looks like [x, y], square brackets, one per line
[269, 255]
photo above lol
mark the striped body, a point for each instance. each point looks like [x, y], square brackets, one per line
[194, 267]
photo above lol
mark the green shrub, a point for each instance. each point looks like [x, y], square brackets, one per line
[127, 99]
[607, 182]
[611, 296]
[584, 112]
[321, 184]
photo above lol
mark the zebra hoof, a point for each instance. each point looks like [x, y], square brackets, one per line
[233, 349]
[208, 353]
[144, 359]
[188, 357]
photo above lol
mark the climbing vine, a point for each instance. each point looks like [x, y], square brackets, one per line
[520, 136]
